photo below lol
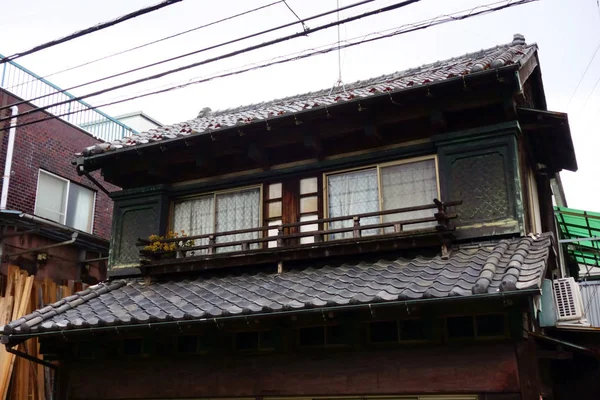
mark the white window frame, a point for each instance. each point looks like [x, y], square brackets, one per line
[35, 207]
[378, 167]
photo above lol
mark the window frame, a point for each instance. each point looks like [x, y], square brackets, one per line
[377, 167]
[259, 348]
[69, 182]
[297, 333]
[214, 194]
[399, 341]
[476, 336]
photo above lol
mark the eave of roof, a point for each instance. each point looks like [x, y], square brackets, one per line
[489, 62]
[53, 230]
[551, 133]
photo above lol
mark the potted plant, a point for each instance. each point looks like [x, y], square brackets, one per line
[159, 248]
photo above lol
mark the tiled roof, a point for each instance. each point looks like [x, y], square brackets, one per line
[515, 52]
[505, 266]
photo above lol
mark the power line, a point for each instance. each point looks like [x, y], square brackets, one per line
[224, 56]
[296, 15]
[591, 93]
[91, 29]
[339, 81]
[584, 73]
[152, 42]
[199, 51]
[406, 28]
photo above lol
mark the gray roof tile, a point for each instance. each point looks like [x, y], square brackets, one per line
[521, 265]
[515, 52]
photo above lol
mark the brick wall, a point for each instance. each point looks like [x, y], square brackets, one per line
[49, 145]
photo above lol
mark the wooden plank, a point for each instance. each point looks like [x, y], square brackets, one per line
[25, 297]
[12, 271]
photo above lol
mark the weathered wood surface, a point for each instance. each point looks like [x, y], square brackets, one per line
[477, 368]
[20, 378]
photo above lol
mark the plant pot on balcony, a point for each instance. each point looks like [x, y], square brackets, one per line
[149, 256]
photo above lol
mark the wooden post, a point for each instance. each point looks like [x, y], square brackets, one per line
[280, 237]
[356, 233]
[211, 244]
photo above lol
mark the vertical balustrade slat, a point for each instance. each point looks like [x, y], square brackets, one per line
[356, 233]
[211, 244]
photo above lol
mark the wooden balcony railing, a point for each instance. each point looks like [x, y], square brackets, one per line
[289, 235]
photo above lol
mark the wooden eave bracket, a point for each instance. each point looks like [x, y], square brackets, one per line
[313, 141]
[257, 153]
[370, 129]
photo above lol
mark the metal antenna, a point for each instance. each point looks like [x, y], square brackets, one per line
[339, 81]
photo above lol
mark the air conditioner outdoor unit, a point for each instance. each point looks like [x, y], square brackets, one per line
[567, 297]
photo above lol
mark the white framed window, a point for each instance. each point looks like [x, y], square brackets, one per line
[220, 212]
[65, 202]
[401, 184]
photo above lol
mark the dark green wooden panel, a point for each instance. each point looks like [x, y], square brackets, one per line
[480, 167]
[137, 214]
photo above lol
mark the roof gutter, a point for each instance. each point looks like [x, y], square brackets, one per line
[84, 237]
[50, 246]
[10, 339]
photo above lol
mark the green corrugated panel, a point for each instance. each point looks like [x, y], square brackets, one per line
[575, 224]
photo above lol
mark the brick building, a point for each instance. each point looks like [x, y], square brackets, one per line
[48, 201]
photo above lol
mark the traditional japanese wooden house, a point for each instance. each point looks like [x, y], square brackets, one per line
[388, 241]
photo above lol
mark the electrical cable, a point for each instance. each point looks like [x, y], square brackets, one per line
[362, 2]
[92, 29]
[296, 15]
[222, 57]
[150, 43]
[584, 73]
[406, 28]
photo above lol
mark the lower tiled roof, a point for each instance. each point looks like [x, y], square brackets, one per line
[504, 266]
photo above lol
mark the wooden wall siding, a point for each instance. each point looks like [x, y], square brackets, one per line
[450, 370]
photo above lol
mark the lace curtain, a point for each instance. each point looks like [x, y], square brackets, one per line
[407, 185]
[350, 194]
[235, 211]
[195, 217]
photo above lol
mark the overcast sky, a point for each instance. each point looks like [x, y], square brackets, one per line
[567, 32]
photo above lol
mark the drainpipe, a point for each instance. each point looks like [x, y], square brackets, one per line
[9, 155]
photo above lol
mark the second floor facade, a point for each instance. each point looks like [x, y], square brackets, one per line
[411, 161]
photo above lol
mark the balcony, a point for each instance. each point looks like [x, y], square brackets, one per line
[221, 249]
